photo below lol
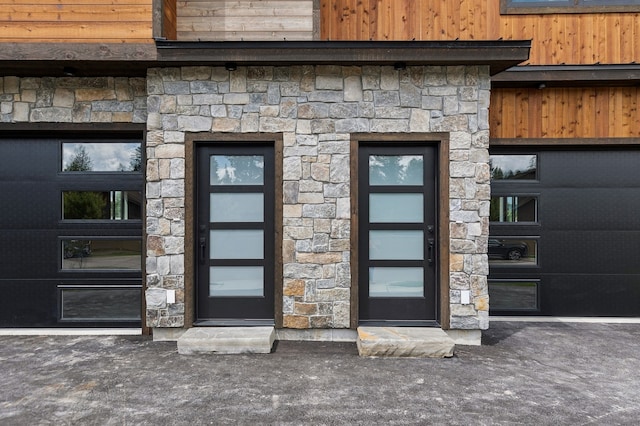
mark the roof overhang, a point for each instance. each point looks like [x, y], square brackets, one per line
[568, 76]
[498, 55]
[92, 59]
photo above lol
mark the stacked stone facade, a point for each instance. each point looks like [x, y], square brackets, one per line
[316, 109]
[73, 100]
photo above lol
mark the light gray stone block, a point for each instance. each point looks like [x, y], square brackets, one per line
[227, 340]
[415, 342]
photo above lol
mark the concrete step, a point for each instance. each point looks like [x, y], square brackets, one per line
[417, 342]
[227, 340]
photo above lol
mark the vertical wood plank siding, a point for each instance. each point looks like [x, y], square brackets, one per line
[569, 112]
[219, 20]
[606, 38]
[100, 21]
[170, 19]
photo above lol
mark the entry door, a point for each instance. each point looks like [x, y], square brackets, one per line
[397, 229]
[235, 235]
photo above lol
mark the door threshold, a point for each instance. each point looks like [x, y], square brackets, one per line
[399, 323]
[234, 322]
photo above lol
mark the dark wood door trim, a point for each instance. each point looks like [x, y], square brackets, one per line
[442, 141]
[192, 141]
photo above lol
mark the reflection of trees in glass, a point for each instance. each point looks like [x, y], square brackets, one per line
[81, 161]
[507, 167]
[238, 169]
[102, 156]
[84, 205]
[395, 169]
[135, 161]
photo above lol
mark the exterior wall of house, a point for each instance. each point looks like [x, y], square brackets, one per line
[73, 100]
[317, 109]
[98, 21]
[219, 20]
[558, 39]
[565, 112]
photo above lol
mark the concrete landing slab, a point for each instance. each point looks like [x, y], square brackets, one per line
[416, 342]
[227, 340]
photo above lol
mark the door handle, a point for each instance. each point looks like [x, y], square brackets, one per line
[203, 249]
[430, 248]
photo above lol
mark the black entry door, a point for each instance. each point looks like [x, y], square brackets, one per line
[235, 235]
[397, 233]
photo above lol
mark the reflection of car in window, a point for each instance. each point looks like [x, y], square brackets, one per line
[505, 249]
[77, 248]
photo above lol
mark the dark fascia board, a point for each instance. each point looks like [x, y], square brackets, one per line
[93, 59]
[568, 76]
[498, 55]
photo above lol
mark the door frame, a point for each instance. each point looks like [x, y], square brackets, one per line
[441, 142]
[192, 141]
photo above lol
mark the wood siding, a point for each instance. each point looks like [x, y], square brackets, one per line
[606, 38]
[75, 21]
[576, 112]
[219, 20]
[169, 19]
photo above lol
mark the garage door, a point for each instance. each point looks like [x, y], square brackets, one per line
[565, 232]
[70, 232]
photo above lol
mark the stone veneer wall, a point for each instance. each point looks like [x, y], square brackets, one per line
[73, 100]
[316, 108]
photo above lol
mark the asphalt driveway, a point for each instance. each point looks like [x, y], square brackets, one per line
[525, 373]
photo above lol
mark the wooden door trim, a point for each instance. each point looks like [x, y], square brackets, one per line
[442, 195]
[192, 141]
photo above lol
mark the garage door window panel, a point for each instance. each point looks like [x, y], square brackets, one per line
[513, 251]
[101, 254]
[101, 205]
[91, 303]
[514, 208]
[97, 156]
[514, 295]
[513, 167]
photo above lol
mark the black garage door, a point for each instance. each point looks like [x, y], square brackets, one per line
[565, 232]
[70, 232]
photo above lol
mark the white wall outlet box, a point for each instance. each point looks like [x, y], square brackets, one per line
[171, 296]
[465, 297]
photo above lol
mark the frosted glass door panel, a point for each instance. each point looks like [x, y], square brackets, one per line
[237, 170]
[396, 245]
[398, 208]
[237, 207]
[237, 244]
[236, 281]
[396, 282]
[396, 170]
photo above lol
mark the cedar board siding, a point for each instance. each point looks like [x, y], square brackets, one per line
[606, 38]
[256, 20]
[570, 112]
[76, 21]
[169, 19]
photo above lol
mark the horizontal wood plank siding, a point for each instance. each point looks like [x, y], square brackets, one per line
[571, 112]
[218, 20]
[588, 38]
[74, 21]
